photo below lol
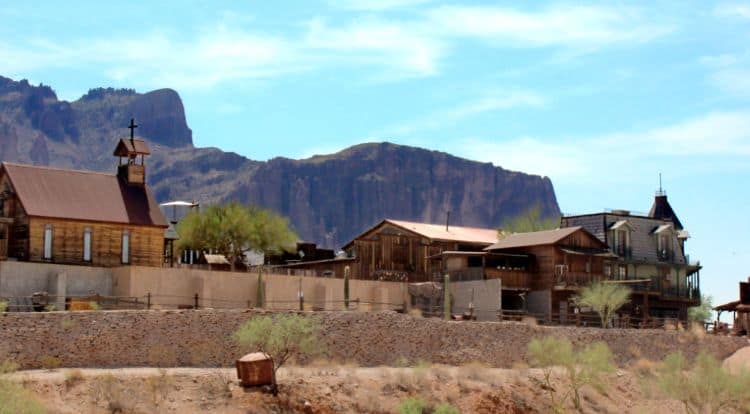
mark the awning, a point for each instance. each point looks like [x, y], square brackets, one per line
[729, 306]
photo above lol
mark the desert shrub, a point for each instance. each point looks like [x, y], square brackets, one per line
[67, 323]
[94, 306]
[14, 398]
[50, 308]
[73, 377]
[604, 298]
[701, 313]
[159, 386]
[108, 391]
[3, 305]
[49, 362]
[705, 387]
[583, 367]
[282, 337]
[412, 406]
[445, 409]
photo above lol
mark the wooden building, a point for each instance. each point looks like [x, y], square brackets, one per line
[82, 217]
[740, 311]
[650, 257]
[400, 250]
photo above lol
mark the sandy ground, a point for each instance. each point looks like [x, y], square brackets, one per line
[334, 389]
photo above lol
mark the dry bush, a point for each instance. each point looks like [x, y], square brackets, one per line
[162, 356]
[635, 351]
[158, 386]
[697, 331]
[644, 367]
[216, 385]
[106, 390]
[15, 399]
[7, 366]
[49, 362]
[415, 313]
[73, 377]
[401, 362]
[476, 371]
[669, 326]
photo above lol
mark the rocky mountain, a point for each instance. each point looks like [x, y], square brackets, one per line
[328, 198]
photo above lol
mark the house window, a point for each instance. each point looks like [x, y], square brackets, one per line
[607, 271]
[87, 244]
[622, 272]
[125, 247]
[48, 242]
[664, 246]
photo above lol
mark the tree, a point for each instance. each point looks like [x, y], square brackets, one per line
[701, 313]
[528, 221]
[704, 388]
[233, 229]
[282, 337]
[584, 367]
[604, 298]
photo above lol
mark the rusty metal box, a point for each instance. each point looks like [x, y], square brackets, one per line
[255, 369]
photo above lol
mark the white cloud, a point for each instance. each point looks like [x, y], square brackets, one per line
[729, 72]
[377, 43]
[569, 26]
[376, 5]
[716, 141]
[733, 10]
[447, 117]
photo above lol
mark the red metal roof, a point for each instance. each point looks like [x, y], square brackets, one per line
[82, 195]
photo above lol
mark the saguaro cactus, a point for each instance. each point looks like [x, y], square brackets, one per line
[447, 297]
[259, 299]
[346, 287]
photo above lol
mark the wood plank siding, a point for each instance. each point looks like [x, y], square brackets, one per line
[146, 244]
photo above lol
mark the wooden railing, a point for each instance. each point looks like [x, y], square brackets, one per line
[510, 278]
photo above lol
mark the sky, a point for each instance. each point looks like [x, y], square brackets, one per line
[601, 97]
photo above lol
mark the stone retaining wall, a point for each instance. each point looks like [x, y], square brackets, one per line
[202, 338]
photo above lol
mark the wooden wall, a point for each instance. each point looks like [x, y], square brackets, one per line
[146, 243]
[400, 254]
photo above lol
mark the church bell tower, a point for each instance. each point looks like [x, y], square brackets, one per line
[130, 170]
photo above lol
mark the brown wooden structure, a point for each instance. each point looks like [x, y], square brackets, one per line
[400, 250]
[81, 217]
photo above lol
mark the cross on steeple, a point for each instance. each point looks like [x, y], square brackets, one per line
[132, 127]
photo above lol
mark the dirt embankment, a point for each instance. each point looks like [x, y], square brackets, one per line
[203, 338]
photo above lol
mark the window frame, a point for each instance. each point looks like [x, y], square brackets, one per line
[125, 247]
[88, 235]
[48, 242]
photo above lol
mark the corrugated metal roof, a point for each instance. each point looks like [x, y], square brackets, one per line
[453, 233]
[536, 238]
[82, 195]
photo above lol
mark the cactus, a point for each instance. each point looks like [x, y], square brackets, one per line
[346, 287]
[447, 298]
[259, 292]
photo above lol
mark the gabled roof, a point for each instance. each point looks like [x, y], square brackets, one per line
[126, 147]
[664, 227]
[82, 195]
[535, 238]
[621, 224]
[438, 232]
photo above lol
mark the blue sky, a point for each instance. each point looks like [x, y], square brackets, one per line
[598, 96]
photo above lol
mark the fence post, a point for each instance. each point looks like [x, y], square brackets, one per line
[346, 288]
[196, 301]
[148, 300]
[447, 298]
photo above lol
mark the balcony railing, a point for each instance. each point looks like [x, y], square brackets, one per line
[513, 279]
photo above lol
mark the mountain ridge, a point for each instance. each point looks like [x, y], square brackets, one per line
[328, 198]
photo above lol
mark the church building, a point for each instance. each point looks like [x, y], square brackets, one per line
[82, 217]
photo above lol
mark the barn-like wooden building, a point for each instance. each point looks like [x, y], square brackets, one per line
[82, 217]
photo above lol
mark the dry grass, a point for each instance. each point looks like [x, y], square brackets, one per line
[49, 362]
[73, 377]
[108, 392]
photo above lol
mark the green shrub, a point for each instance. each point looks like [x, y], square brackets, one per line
[445, 409]
[412, 406]
[94, 306]
[49, 362]
[282, 337]
[705, 387]
[3, 306]
[14, 398]
[604, 298]
[584, 367]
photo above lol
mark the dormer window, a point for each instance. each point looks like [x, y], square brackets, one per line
[620, 238]
[664, 246]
